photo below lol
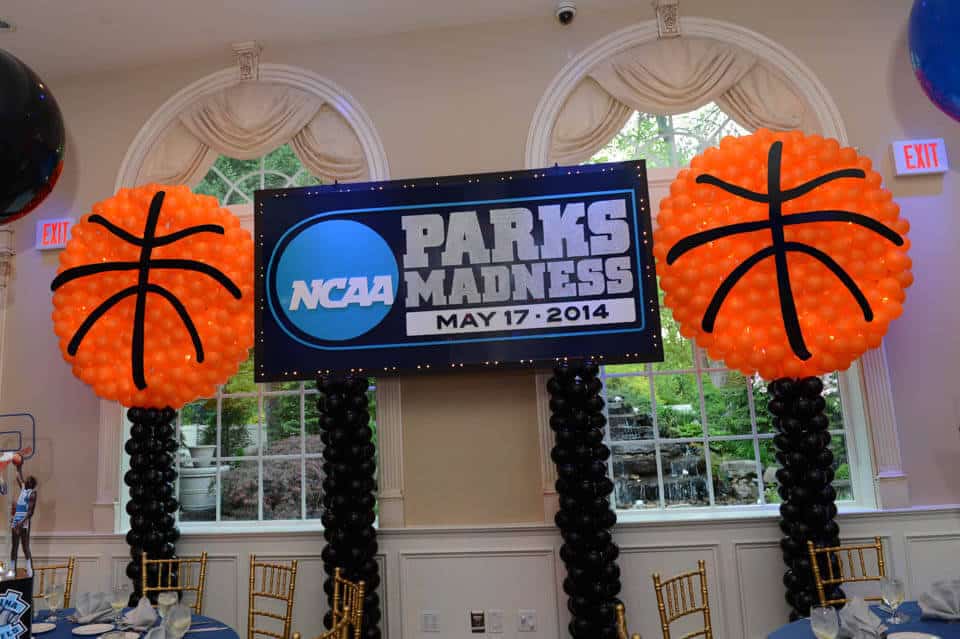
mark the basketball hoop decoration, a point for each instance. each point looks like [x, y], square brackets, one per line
[153, 306]
[782, 254]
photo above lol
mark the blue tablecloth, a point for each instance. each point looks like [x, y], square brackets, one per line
[64, 629]
[910, 609]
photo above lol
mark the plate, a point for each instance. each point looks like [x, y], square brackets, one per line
[38, 628]
[911, 635]
[93, 629]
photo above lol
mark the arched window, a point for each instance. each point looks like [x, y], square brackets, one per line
[253, 453]
[688, 432]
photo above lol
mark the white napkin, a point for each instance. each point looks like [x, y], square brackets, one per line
[857, 620]
[943, 601]
[141, 617]
[93, 606]
[160, 632]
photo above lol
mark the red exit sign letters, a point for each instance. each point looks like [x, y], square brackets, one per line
[920, 157]
[53, 234]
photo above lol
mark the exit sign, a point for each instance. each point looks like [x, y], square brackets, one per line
[920, 157]
[53, 234]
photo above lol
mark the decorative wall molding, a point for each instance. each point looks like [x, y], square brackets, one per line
[548, 470]
[893, 490]
[248, 60]
[105, 516]
[743, 556]
[668, 18]
[335, 95]
[390, 452]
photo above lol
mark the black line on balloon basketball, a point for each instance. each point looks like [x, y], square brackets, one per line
[143, 287]
[779, 247]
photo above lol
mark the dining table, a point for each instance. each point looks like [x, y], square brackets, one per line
[201, 627]
[910, 610]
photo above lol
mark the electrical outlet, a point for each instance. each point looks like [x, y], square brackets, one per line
[528, 621]
[429, 621]
[495, 622]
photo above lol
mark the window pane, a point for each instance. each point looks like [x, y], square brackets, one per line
[311, 424]
[841, 467]
[237, 197]
[198, 491]
[282, 386]
[734, 467]
[281, 489]
[281, 417]
[235, 170]
[678, 406]
[769, 465]
[305, 179]
[684, 475]
[212, 184]
[249, 185]
[242, 381]
[239, 428]
[314, 487]
[635, 472]
[831, 394]
[627, 368]
[240, 486]
[728, 408]
[628, 408]
[282, 160]
[760, 400]
[275, 181]
[677, 350]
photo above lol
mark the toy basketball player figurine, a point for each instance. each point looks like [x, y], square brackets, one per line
[20, 515]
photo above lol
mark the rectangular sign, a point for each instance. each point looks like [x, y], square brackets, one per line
[920, 157]
[53, 234]
[497, 269]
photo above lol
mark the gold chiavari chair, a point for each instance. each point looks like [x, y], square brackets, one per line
[831, 561]
[622, 624]
[348, 602]
[45, 577]
[340, 630]
[176, 575]
[277, 582]
[676, 598]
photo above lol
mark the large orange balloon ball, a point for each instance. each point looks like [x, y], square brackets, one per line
[781, 253]
[153, 300]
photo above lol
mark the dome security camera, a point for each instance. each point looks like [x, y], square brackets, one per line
[566, 10]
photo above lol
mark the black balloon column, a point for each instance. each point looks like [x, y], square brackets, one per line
[805, 476]
[586, 515]
[349, 491]
[151, 479]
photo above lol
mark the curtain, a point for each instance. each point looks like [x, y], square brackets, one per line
[247, 121]
[668, 77]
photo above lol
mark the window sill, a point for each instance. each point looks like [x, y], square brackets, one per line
[707, 515]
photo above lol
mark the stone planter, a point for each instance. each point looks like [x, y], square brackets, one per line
[202, 455]
[195, 493]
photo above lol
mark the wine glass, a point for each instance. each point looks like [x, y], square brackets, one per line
[177, 621]
[824, 623]
[892, 592]
[165, 601]
[54, 600]
[120, 598]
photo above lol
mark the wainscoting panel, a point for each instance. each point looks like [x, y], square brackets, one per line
[455, 570]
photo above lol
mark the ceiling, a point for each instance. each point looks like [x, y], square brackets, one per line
[59, 38]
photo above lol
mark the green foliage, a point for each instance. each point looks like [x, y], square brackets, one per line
[669, 140]
[233, 181]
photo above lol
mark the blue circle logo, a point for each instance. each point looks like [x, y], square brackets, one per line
[335, 280]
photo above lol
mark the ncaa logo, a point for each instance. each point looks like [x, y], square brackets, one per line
[333, 280]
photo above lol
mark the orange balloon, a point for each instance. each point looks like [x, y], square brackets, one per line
[781, 253]
[153, 300]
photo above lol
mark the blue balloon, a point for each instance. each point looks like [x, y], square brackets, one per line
[935, 51]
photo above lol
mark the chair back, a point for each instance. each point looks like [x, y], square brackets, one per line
[180, 575]
[271, 582]
[838, 565]
[676, 598]
[340, 629]
[348, 602]
[45, 577]
[622, 624]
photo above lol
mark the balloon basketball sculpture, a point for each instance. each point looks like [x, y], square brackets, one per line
[153, 306]
[780, 253]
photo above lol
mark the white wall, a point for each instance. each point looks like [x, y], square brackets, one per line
[454, 570]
